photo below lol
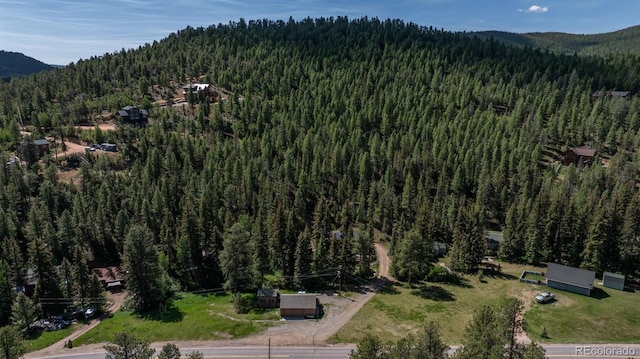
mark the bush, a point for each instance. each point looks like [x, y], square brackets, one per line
[440, 274]
[544, 334]
[243, 303]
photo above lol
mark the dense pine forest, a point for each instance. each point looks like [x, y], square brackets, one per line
[381, 130]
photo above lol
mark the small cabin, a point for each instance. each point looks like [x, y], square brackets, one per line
[577, 155]
[268, 298]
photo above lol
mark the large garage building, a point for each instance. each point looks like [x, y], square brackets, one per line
[299, 305]
[570, 279]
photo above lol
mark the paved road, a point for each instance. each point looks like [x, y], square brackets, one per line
[554, 351]
[241, 352]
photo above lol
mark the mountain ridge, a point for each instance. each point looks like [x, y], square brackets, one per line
[16, 64]
[626, 40]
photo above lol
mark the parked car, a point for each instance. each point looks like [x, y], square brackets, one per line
[90, 312]
[544, 297]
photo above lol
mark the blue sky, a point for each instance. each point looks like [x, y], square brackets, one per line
[64, 31]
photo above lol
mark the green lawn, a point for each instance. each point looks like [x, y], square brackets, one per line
[400, 310]
[188, 317]
[42, 340]
[608, 316]
[535, 277]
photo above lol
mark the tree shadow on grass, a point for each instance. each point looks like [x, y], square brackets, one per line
[433, 292]
[491, 273]
[168, 313]
[390, 288]
[458, 281]
[599, 293]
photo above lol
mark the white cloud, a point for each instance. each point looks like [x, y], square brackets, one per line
[535, 9]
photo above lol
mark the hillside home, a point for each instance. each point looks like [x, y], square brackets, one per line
[201, 91]
[614, 94]
[130, 115]
[577, 155]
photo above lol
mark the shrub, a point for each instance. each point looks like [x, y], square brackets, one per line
[243, 303]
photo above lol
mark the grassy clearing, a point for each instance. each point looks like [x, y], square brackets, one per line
[609, 316]
[400, 310]
[188, 317]
[42, 340]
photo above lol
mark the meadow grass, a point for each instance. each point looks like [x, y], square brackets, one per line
[187, 317]
[610, 316]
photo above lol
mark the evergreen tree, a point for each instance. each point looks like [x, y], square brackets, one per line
[413, 257]
[11, 343]
[369, 347]
[169, 351]
[14, 260]
[142, 268]
[483, 338]
[97, 293]
[23, 312]
[6, 297]
[125, 345]
[47, 290]
[469, 245]
[303, 257]
[80, 277]
[429, 344]
[235, 259]
[66, 279]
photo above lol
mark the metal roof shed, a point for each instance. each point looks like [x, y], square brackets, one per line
[570, 279]
[613, 280]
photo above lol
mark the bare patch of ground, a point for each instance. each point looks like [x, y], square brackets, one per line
[71, 148]
[69, 175]
[105, 126]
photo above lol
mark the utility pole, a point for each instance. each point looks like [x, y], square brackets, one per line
[269, 353]
[339, 281]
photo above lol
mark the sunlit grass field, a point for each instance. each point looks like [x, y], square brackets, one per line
[609, 316]
[187, 317]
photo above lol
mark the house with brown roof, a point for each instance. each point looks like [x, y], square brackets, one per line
[577, 155]
[299, 305]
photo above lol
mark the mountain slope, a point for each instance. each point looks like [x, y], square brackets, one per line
[621, 41]
[15, 64]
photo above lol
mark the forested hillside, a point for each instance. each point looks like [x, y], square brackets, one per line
[618, 42]
[379, 129]
[16, 64]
